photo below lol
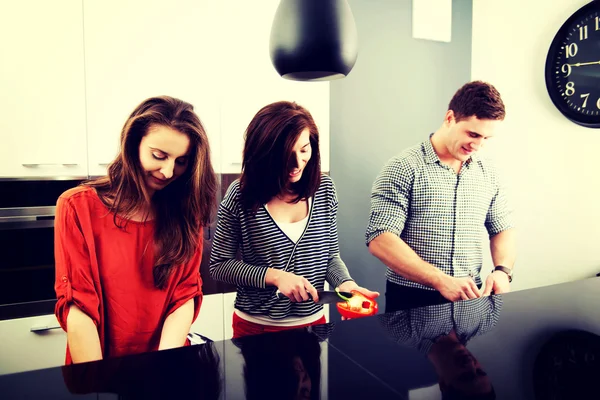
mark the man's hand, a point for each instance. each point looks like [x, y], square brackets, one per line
[497, 282]
[455, 289]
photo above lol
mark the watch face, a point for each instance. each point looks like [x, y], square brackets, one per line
[573, 67]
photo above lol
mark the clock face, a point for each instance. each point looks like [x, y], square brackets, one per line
[568, 366]
[573, 67]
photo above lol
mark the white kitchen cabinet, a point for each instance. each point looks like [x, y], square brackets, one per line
[31, 343]
[228, 309]
[137, 49]
[210, 320]
[249, 80]
[39, 342]
[42, 92]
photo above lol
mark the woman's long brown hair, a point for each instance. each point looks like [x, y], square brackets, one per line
[268, 144]
[184, 206]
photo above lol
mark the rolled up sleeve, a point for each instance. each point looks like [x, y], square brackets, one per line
[390, 199]
[500, 213]
[75, 281]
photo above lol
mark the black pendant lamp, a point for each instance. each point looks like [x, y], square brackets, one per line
[313, 40]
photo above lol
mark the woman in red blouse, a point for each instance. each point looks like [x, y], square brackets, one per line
[128, 245]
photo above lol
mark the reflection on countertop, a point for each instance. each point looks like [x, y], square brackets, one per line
[533, 344]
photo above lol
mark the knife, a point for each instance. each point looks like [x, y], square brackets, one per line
[325, 296]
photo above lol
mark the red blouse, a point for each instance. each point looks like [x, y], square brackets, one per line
[107, 273]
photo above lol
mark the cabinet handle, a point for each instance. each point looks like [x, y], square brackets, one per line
[30, 165]
[43, 328]
[104, 164]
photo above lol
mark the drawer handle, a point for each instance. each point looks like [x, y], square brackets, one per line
[43, 328]
[30, 165]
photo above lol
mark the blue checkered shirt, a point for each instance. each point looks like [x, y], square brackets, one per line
[441, 215]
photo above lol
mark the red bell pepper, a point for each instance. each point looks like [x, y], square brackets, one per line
[357, 306]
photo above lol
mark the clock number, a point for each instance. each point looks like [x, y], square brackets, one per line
[583, 32]
[566, 69]
[571, 50]
[586, 98]
[598, 23]
[570, 91]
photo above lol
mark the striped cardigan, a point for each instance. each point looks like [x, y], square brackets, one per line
[263, 244]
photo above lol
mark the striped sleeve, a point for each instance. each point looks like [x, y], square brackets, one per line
[223, 263]
[337, 272]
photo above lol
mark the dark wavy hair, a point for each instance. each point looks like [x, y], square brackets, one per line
[184, 206]
[267, 156]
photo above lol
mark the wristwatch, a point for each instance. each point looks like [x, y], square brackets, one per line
[507, 271]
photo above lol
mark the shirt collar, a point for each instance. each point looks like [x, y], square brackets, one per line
[430, 154]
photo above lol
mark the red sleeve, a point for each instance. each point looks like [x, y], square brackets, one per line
[190, 284]
[74, 278]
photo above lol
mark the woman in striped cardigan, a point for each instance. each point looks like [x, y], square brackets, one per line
[282, 216]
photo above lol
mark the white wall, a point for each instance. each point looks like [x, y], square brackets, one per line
[549, 162]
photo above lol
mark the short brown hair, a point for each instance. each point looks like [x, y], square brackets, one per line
[268, 144]
[479, 99]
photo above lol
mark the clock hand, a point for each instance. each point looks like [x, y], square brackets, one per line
[581, 64]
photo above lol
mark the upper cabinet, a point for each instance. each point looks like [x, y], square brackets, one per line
[137, 49]
[42, 92]
[72, 71]
[249, 80]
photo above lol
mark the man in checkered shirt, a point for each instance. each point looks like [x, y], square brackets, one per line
[431, 203]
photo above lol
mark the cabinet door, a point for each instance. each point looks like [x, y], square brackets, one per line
[31, 343]
[143, 48]
[228, 310]
[42, 94]
[250, 81]
[210, 320]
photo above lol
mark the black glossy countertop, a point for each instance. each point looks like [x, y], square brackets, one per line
[533, 344]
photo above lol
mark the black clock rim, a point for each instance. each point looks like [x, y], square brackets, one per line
[588, 122]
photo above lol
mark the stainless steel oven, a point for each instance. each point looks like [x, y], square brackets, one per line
[27, 209]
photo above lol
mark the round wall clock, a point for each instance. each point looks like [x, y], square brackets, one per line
[573, 67]
[568, 366]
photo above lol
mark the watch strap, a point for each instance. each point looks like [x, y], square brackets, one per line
[507, 271]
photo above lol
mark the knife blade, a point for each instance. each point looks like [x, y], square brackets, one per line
[325, 296]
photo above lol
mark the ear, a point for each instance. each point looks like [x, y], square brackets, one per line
[449, 117]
